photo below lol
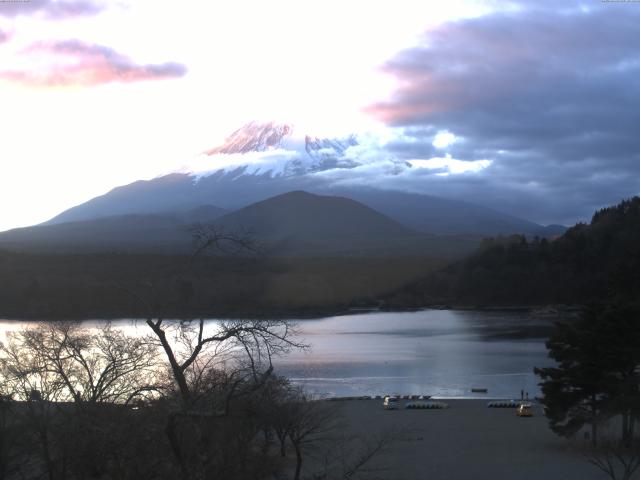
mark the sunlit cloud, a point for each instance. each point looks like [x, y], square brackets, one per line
[75, 63]
[271, 162]
[297, 151]
[448, 165]
[443, 139]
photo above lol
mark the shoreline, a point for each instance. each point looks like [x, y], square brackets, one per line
[544, 310]
[414, 398]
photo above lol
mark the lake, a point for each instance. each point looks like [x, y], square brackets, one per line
[436, 352]
[441, 353]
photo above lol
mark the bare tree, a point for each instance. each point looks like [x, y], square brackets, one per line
[349, 457]
[193, 348]
[219, 374]
[311, 423]
[105, 366]
[213, 239]
[248, 345]
[619, 461]
[314, 429]
[47, 366]
[302, 422]
[213, 365]
[27, 378]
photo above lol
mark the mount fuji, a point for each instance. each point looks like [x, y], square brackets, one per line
[262, 160]
[275, 151]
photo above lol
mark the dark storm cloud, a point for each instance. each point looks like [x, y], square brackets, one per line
[51, 9]
[550, 94]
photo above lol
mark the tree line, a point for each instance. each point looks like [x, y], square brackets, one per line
[596, 260]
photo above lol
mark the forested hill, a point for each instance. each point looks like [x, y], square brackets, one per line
[589, 261]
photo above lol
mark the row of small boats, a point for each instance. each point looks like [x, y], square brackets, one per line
[425, 405]
[505, 404]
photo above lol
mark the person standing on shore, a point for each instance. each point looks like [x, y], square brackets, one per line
[521, 394]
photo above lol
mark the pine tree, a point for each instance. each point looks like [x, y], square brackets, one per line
[597, 375]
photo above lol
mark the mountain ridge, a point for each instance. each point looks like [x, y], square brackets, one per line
[304, 222]
[262, 160]
[296, 223]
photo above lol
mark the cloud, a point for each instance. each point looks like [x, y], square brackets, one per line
[4, 37]
[50, 9]
[448, 165]
[443, 139]
[550, 95]
[75, 63]
[376, 166]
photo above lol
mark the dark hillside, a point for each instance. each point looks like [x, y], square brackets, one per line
[301, 223]
[293, 224]
[590, 261]
[81, 286]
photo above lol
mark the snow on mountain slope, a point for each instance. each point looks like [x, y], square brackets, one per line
[262, 160]
[254, 137]
[278, 150]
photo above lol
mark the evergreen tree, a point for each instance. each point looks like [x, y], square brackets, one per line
[597, 372]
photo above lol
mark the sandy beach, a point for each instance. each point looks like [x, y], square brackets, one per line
[466, 441]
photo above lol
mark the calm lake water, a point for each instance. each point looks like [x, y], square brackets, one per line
[436, 352]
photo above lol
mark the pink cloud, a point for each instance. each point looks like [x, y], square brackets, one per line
[519, 60]
[75, 63]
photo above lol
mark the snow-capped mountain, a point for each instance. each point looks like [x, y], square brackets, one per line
[254, 137]
[278, 150]
[263, 160]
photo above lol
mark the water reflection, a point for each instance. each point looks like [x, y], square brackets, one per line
[435, 352]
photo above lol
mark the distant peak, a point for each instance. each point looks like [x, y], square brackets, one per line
[254, 137]
[298, 194]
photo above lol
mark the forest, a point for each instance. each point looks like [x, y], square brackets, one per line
[599, 260]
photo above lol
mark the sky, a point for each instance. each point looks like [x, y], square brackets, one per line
[531, 108]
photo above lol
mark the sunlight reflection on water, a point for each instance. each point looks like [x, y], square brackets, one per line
[434, 352]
